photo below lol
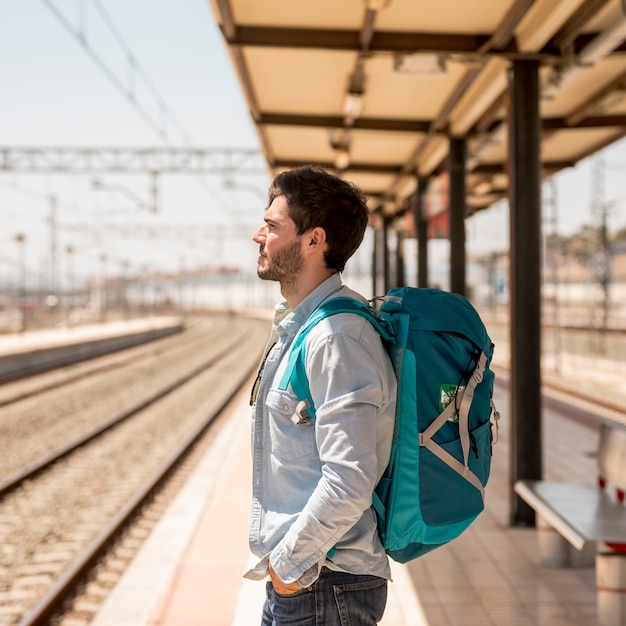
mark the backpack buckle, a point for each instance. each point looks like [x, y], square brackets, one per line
[301, 416]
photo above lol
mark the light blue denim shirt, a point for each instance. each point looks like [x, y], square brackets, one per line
[313, 483]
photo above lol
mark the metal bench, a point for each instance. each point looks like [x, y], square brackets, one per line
[578, 523]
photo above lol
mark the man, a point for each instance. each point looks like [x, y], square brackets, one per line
[312, 525]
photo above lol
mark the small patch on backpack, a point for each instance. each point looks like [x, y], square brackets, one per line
[448, 394]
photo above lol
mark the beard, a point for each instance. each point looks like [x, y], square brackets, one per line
[284, 266]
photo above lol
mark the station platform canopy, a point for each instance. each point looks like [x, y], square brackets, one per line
[375, 89]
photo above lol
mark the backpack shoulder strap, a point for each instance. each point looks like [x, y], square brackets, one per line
[295, 372]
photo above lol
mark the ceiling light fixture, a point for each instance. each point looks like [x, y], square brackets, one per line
[342, 158]
[419, 64]
[352, 107]
[355, 95]
[340, 144]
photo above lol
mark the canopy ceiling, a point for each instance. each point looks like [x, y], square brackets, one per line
[375, 88]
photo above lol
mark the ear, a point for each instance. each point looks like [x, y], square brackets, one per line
[316, 238]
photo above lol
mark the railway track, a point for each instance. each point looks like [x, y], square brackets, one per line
[37, 382]
[57, 522]
[48, 418]
[586, 408]
[45, 462]
[592, 381]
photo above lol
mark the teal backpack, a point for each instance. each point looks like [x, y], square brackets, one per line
[433, 487]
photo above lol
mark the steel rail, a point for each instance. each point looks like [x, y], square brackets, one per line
[13, 481]
[62, 383]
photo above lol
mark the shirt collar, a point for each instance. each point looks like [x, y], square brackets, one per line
[293, 320]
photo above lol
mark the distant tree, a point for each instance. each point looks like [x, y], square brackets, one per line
[583, 244]
[620, 235]
[558, 244]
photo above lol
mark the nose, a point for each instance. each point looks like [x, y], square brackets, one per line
[259, 235]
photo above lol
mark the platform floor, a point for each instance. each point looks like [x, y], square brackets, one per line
[17, 343]
[189, 570]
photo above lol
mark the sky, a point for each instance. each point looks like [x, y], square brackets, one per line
[568, 202]
[57, 92]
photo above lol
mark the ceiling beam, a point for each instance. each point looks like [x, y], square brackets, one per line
[619, 134]
[375, 168]
[598, 121]
[350, 40]
[387, 41]
[573, 27]
[228, 22]
[585, 39]
[500, 168]
[229, 29]
[424, 126]
[504, 32]
[369, 168]
[337, 121]
[431, 42]
[579, 114]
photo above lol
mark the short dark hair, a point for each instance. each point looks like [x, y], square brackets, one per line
[317, 198]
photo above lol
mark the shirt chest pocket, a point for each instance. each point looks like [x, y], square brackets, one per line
[292, 431]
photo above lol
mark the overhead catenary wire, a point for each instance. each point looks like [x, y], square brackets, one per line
[80, 34]
[136, 71]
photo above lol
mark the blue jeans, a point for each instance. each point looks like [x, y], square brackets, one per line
[334, 599]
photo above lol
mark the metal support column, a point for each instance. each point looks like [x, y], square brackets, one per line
[456, 168]
[421, 229]
[375, 246]
[385, 253]
[400, 279]
[525, 261]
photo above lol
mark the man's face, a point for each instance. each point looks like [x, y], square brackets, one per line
[280, 256]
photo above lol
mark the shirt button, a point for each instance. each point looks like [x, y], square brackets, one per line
[320, 553]
[286, 407]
